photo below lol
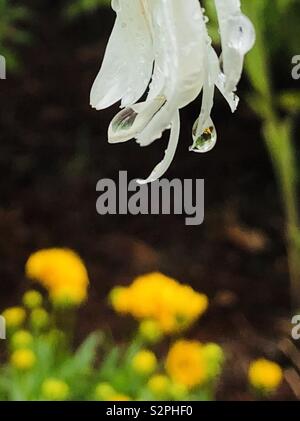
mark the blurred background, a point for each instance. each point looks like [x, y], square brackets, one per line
[54, 149]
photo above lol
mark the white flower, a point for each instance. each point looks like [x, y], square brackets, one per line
[166, 42]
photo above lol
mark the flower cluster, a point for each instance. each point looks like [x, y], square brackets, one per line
[158, 298]
[42, 363]
[167, 43]
[62, 273]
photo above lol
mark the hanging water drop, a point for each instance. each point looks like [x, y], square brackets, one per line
[241, 33]
[124, 120]
[205, 141]
[121, 127]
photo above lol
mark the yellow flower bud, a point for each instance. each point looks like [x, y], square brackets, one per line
[104, 391]
[265, 375]
[39, 318]
[144, 362]
[159, 385]
[32, 299]
[23, 359]
[21, 339]
[150, 331]
[14, 316]
[214, 357]
[55, 390]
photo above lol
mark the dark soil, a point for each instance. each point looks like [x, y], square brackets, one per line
[53, 152]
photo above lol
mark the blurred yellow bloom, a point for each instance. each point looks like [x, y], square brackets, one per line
[119, 397]
[62, 273]
[104, 391]
[265, 375]
[21, 339]
[119, 299]
[39, 318]
[159, 385]
[144, 362]
[185, 363]
[68, 295]
[156, 297]
[23, 359]
[14, 316]
[32, 299]
[150, 331]
[55, 390]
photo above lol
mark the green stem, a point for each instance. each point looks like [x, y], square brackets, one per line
[278, 138]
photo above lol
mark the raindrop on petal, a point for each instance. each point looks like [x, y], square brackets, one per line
[124, 120]
[242, 33]
[206, 141]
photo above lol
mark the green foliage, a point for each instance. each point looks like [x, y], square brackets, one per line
[42, 364]
[80, 7]
[277, 41]
[11, 34]
[276, 30]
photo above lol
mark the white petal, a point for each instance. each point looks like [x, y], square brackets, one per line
[127, 66]
[158, 124]
[212, 72]
[163, 166]
[179, 43]
[231, 97]
[237, 37]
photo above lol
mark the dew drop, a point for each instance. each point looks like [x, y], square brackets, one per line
[207, 140]
[124, 120]
[242, 33]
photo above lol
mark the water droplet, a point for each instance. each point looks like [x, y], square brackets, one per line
[242, 33]
[116, 5]
[206, 141]
[123, 120]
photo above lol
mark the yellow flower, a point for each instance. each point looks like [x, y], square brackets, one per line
[62, 273]
[39, 318]
[144, 362]
[104, 391]
[185, 363]
[119, 397]
[265, 375]
[23, 359]
[55, 390]
[68, 295]
[159, 385]
[14, 316]
[119, 299]
[32, 299]
[21, 339]
[173, 306]
[150, 331]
